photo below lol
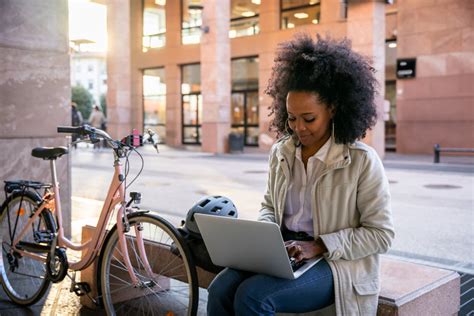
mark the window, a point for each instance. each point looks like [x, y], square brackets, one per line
[244, 16]
[299, 12]
[154, 101]
[191, 104]
[244, 99]
[90, 67]
[90, 85]
[154, 24]
[191, 21]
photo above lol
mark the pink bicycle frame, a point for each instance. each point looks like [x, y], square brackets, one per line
[115, 196]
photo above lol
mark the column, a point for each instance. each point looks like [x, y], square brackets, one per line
[35, 91]
[119, 74]
[215, 76]
[173, 74]
[366, 30]
[269, 28]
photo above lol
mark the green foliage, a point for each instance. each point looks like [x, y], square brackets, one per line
[83, 99]
[103, 103]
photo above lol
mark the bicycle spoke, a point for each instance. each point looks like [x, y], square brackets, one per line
[3, 248]
[24, 277]
[170, 288]
[16, 220]
[124, 268]
[31, 276]
[120, 288]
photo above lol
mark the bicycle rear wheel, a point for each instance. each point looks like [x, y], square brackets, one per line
[23, 279]
[170, 288]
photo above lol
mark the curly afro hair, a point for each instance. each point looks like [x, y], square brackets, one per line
[343, 80]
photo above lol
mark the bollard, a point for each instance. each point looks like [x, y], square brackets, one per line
[436, 153]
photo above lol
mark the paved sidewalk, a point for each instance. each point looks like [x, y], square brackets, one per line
[242, 177]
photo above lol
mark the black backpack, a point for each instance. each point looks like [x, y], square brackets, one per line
[199, 252]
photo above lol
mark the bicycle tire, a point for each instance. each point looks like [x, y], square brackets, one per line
[169, 258]
[24, 279]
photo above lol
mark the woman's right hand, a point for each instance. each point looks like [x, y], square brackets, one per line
[305, 249]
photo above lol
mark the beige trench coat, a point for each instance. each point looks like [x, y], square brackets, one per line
[351, 214]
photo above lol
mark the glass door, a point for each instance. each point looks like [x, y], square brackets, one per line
[245, 116]
[192, 118]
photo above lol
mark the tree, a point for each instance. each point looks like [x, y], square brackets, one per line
[83, 99]
[103, 103]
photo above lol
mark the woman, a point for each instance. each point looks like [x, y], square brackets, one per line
[327, 191]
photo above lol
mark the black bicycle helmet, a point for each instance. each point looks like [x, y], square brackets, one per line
[212, 205]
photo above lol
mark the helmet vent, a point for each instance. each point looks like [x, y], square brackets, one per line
[209, 205]
[204, 203]
[216, 209]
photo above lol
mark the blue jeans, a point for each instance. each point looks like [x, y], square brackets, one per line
[235, 292]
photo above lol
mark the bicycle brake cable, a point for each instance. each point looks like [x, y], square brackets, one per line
[141, 169]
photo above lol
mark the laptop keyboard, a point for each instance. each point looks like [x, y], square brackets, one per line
[296, 265]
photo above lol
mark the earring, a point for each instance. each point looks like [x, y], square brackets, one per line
[332, 134]
[288, 130]
[290, 133]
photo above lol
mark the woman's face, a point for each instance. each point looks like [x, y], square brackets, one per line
[309, 118]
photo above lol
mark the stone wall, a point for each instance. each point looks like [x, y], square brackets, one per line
[34, 90]
[438, 105]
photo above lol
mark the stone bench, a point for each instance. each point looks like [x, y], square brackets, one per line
[406, 288]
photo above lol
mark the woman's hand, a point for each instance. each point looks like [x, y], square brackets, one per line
[305, 249]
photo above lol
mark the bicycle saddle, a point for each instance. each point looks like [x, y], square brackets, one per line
[49, 153]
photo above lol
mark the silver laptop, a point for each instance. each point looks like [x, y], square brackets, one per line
[248, 245]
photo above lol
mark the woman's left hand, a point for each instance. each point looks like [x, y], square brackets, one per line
[305, 249]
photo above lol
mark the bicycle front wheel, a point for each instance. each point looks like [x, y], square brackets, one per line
[166, 275]
[24, 279]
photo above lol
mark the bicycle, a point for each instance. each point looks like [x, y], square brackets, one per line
[144, 265]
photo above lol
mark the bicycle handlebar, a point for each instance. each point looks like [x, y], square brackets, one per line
[69, 129]
[149, 136]
[83, 130]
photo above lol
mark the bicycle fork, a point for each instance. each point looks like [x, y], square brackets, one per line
[122, 229]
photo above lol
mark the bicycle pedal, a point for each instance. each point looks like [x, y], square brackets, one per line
[81, 288]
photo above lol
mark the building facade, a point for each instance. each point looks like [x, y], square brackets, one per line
[89, 70]
[196, 71]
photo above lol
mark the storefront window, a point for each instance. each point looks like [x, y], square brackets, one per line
[154, 24]
[191, 21]
[244, 99]
[191, 104]
[154, 101]
[244, 16]
[299, 12]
